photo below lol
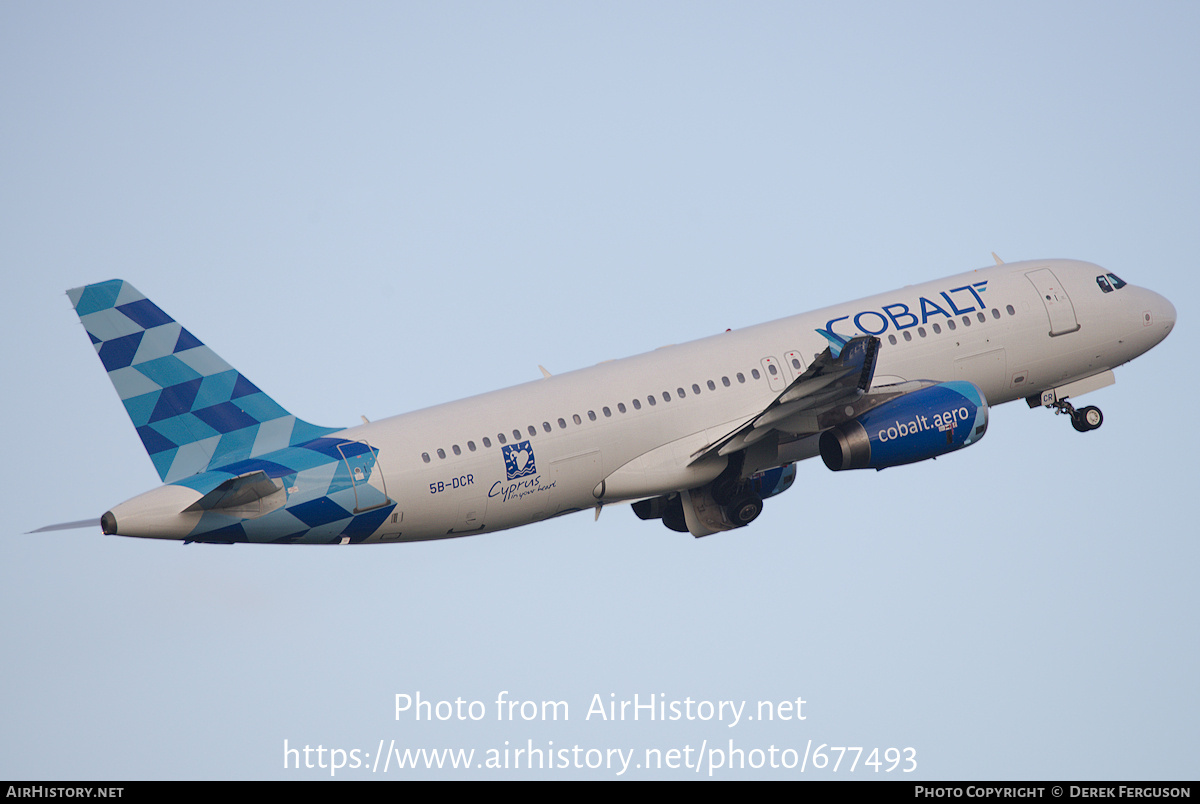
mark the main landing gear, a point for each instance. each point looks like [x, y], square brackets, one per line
[739, 502]
[741, 506]
[1084, 419]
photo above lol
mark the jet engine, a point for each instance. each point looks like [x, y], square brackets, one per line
[923, 424]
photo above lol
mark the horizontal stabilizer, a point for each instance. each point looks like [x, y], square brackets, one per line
[237, 492]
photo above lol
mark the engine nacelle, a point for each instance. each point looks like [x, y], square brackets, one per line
[910, 428]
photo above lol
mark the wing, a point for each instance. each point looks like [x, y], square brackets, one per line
[838, 378]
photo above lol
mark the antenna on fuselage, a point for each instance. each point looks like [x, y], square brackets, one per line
[997, 259]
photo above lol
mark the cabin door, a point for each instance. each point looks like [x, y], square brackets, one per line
[1058, 303]
[362, 462]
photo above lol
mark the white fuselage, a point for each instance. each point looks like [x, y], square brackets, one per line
[626, 429]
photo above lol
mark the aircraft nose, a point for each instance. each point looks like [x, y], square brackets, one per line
[1166, 313]
[1160, 313]
[1158, 316]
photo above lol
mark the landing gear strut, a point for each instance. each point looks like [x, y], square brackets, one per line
[1084, 419]
[739, 502]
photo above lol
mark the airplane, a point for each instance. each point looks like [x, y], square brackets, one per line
[696, 435]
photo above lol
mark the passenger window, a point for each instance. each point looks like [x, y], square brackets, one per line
[651, 400]
[591, 415]
[995, 313]
[937, 329]
[892, 340]
[741, 377]
[637, 404]
[695, 388]
[425, 457]
[576, 419]
[907, 335]
[546, 426]
[500, 438]
[725, 381]
[441, 452]
[471, 446]
[950, 323]
[607, 413]
[487, 442]
[620, 407]
[562, 424]
[712, 386]
[457, 451]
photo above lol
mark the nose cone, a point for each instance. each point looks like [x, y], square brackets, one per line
[1159, 316]
[1167, 313]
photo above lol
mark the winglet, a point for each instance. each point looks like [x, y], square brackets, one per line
[836, 342]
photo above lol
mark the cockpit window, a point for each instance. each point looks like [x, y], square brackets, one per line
[1117, 282]
[1102, 281]
[1110, 282]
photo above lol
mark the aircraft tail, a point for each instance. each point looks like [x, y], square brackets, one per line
[192, 410]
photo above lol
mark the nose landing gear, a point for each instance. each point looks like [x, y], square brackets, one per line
[1082, 420]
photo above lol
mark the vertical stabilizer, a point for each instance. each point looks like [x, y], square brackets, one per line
[192, 410]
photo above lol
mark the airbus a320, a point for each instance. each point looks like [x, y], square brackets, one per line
[696, 435]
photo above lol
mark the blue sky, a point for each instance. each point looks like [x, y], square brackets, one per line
[375, 208]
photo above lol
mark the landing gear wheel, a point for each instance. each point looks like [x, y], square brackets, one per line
[1084, 419]
[744, 510]
[1088, 418]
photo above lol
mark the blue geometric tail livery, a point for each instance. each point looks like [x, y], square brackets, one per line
[192, 410]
